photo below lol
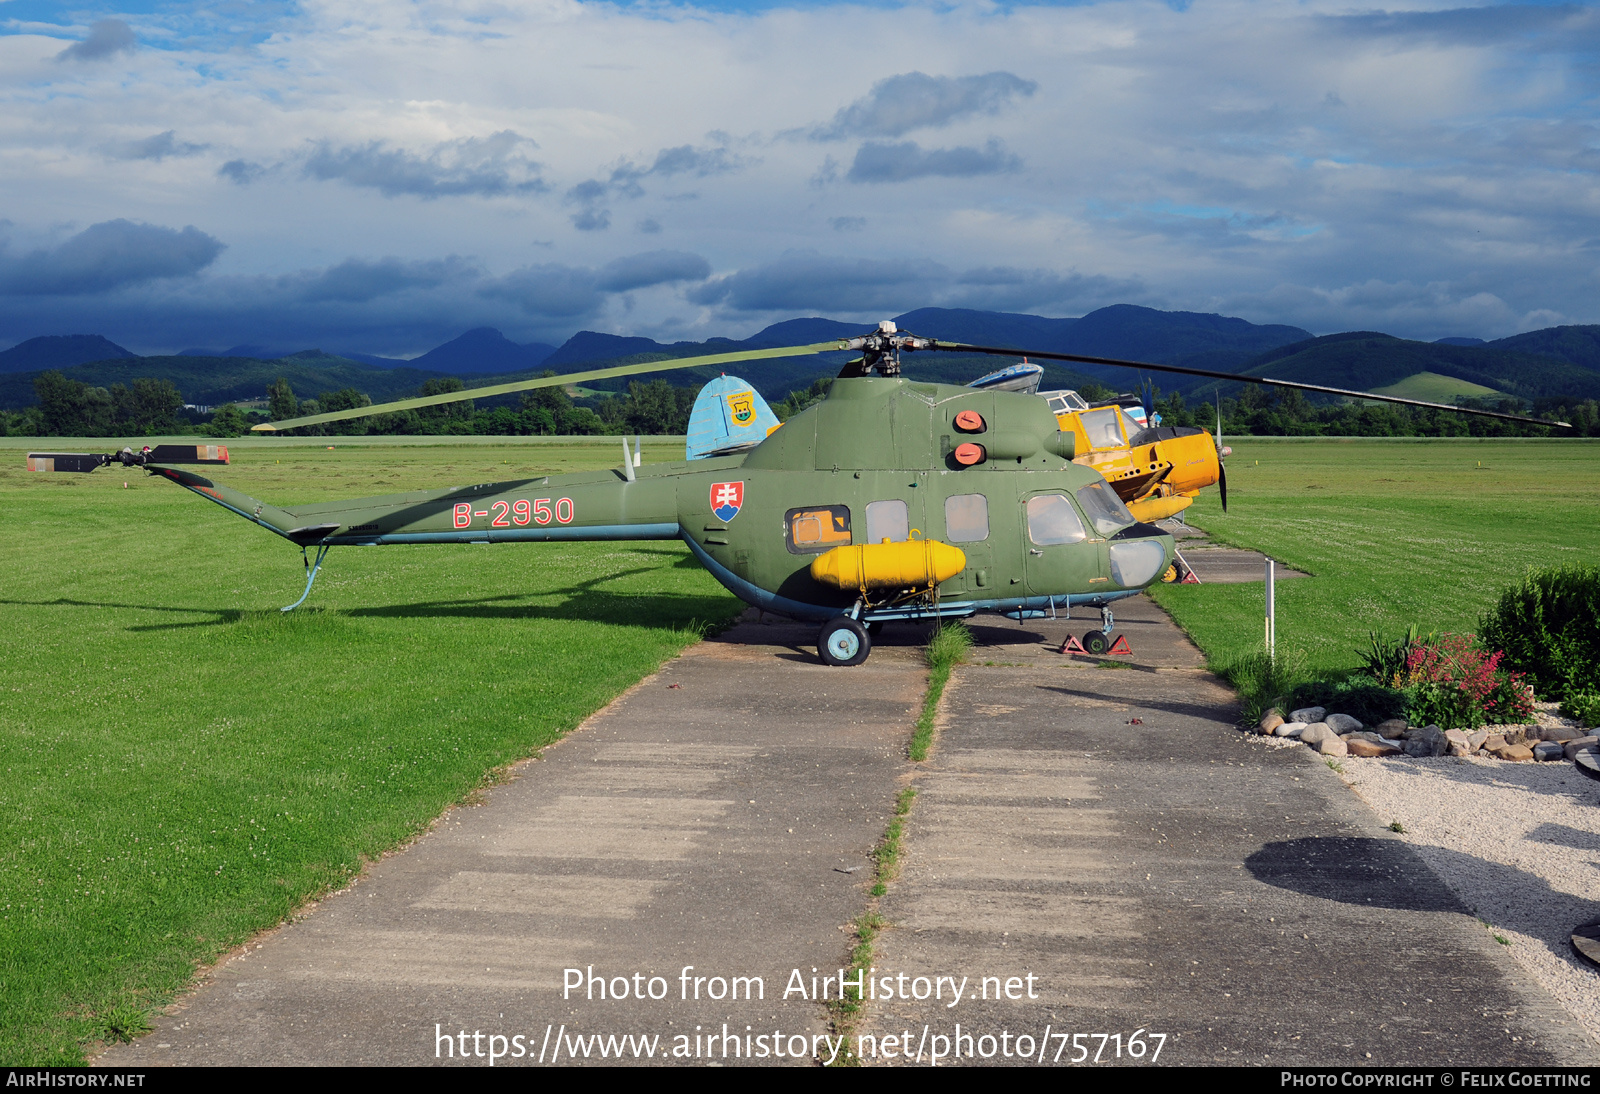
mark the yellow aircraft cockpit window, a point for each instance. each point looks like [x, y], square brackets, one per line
[1052, 519]
[966, 518]
[1064, 402]
[1131, 424]
[816, 528]
[888, 520]
[1103, 428]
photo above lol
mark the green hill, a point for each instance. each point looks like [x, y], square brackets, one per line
[1576, 345]
[1434, 388]
[1367, 361]
[216, 380]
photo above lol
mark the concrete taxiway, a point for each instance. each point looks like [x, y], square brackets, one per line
[1101, 838]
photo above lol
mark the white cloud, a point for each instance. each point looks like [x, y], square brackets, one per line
[1237, 154]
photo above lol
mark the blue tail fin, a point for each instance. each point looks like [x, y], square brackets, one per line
[729, 416]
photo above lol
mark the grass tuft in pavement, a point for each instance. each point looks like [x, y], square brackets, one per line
[946, 649]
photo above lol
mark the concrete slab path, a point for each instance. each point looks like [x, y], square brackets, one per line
[717, 818]
[1106, 840]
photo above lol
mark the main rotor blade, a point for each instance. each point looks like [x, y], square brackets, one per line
[550, 381]
[1079, 358]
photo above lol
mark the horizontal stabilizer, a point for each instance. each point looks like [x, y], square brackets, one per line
[65, 461]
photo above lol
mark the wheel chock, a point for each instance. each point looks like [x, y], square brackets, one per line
[1188, 577]
[1120, 647]
[1072, 645]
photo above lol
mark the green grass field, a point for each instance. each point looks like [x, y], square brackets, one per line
[1395, 532]
[182, 765]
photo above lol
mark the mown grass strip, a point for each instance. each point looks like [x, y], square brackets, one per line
[947, 649]
[846, 1013]
[182, 765]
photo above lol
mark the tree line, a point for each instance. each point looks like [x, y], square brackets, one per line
[153, 407]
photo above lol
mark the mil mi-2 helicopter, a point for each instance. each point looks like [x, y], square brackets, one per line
[888, 500]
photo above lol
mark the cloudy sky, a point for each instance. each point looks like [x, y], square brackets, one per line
[382, 175]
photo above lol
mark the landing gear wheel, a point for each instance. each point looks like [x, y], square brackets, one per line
[1171, 574]
[875, 629]
[1096, 642]
[843, 642]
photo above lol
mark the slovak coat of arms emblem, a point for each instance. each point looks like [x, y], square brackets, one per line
[727, 498]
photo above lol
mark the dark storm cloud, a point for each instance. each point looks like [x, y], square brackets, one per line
[1577, 28]
[357, 280]
[106, 38]
[550, 290]
[805, 280]
[899, 104]
[485, 166]
[881, 162]
[106, 256]
[241, 172]
[801, 281]
[158, 147]
[652, 268]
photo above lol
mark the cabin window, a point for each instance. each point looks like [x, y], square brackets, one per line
[816, 528]
[888, 520]
[966, 518]
[1101, 427]
[1105, 509]
[1052, 519]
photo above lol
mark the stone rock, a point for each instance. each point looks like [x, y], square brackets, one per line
[1393, 728]
[1308, 715]
[1492, 742]
[1477, 739]
[1548, 750]
[1289, 729]
[1560, 734]
[1316, 733]
[1359, 746]
[1513, 753]
[1343, 723]
[1270, 721]
[1515, 735]
[1364, 735]
[1456, 737]
[1460, 750]
[1572, 748]
[1426, 741]
[1331, 745]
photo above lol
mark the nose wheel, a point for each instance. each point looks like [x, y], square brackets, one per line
[843, 642]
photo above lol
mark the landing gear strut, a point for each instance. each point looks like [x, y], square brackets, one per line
[1098, 642]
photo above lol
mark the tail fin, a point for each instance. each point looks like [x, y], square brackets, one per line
[729, 416]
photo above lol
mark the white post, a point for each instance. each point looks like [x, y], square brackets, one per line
[1272, 615]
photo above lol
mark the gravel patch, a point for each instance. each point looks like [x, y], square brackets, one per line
[1518, 842]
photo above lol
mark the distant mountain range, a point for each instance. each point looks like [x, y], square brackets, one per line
[1559, 361]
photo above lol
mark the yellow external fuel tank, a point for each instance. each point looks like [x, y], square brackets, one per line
[919, 563]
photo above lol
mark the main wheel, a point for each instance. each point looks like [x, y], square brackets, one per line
[843, 642]
[1096, 642]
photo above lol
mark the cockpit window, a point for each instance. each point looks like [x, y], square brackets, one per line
[1130, 423]
[1052, 519]
[1106, 511]
[1101, 426]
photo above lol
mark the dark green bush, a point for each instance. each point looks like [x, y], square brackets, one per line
[1358, 697]
[1549, 628]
